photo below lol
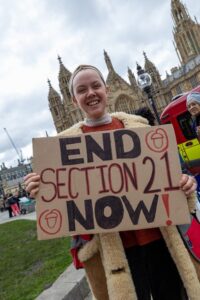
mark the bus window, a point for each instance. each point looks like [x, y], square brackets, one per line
[185, 123]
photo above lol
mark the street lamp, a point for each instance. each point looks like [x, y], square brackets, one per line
[144, 82]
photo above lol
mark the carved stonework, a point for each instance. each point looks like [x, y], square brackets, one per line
[127, 97]
[122, 96]
[186, 32]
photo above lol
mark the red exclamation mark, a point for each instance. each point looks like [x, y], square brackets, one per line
[165, 198]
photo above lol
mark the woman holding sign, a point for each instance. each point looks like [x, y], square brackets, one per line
[134, 264]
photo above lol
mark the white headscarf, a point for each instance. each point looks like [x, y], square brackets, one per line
[193, 97]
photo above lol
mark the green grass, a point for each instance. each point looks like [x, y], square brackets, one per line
[28, 266]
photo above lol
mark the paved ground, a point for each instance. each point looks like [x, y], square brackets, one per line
[5, 218]
[71, 285]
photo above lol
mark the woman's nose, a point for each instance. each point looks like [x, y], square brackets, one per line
[90, 91]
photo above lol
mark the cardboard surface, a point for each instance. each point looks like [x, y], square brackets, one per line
[108, 181]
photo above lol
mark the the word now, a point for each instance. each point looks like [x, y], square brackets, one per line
[116, 206]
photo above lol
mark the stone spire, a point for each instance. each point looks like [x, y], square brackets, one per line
[132, 79]
[63, 72]
[186, 32]
[179, 12]
[52, 93]
[64, 77]
[108, 62]
[148, 65]
[152, 70]
[56, 107]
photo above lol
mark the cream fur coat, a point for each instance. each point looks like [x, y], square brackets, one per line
[106, 266]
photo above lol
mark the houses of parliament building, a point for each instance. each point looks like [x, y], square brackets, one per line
[127, 96]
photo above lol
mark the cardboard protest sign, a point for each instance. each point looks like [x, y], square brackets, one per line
[108, 181]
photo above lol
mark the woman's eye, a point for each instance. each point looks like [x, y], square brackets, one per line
[96, 86]
[80, 91]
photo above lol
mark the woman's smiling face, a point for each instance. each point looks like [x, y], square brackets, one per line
[194, 108]
[90, 93]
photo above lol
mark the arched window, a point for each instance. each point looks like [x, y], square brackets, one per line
[124, 103]
[68, 93]
[56, 111]
[193, 81]
[180, 14]
[63, 80]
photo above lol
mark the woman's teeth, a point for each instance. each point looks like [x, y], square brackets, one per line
[93, 103]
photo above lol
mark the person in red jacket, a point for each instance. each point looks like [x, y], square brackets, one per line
[153, 270]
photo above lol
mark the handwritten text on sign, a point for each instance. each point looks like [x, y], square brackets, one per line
[108, 181]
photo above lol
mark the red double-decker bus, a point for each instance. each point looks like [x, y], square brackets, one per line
[177, 114]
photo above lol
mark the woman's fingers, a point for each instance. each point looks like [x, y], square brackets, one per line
[188, 184]
[32, 182]
[34, 192]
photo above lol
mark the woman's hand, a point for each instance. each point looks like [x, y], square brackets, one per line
[188, 184]
[32, 182]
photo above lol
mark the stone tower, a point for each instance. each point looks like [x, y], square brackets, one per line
[157, 84]
[186, 32]
[72, 113]
[57, 108]
[154, 73]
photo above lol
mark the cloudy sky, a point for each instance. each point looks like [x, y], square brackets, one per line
[35, 32]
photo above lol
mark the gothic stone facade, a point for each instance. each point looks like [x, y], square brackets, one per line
[126, 96]
[11, 179]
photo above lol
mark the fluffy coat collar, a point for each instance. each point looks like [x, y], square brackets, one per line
[109, 245]
[129, 121]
